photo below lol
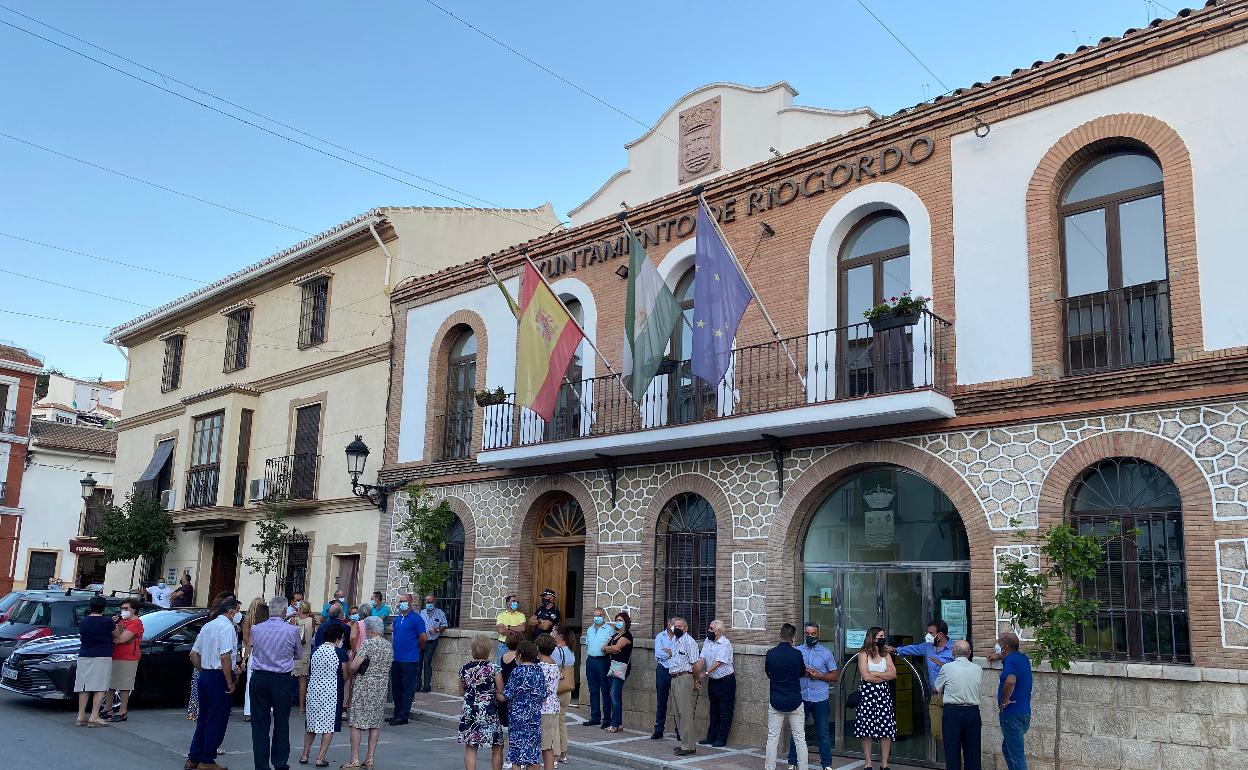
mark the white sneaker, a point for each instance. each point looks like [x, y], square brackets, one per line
[506, 764]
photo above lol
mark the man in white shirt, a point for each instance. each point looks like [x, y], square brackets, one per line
[721, 689]
[959, 681]
[215, 655]
[160, 594]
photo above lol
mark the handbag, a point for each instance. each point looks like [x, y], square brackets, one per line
[853, 699]
[619, 669]
[363, 667]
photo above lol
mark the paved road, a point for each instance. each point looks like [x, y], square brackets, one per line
[39, 734]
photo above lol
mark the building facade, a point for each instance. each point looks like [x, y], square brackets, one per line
[18, 370]
[245, 393]
[1081, 359]
[73, 401]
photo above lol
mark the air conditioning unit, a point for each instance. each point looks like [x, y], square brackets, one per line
[167, 499]
[255, 490]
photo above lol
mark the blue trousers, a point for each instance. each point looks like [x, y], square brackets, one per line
[614, 716]
[818, 710]
[424, 674]
[214, 717]
[270, 703]
[961, 728]
[599, 695]
[1013, 728]
[403, 678]
[662, 689]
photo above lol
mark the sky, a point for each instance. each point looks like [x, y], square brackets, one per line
[411, 87]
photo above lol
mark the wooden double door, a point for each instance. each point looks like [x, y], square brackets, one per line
[559, 559]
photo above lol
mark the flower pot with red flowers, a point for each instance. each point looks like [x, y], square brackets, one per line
[897, 312]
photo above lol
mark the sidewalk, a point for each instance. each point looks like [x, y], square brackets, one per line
[631, 748]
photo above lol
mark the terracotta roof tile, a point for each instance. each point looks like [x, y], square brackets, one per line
[18, 356]
[79, 438]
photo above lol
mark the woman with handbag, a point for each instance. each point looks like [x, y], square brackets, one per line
[371, 671]
[620, 648]
[875, 718]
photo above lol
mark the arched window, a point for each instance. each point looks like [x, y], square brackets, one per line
[874, 266]
[460, 391]
[685, 562]
[449, 594]
[1141, 588]
[1114, 264]
[689, 398]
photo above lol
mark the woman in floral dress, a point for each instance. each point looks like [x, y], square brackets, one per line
[481, 684]
[370, 674]
[525, 692]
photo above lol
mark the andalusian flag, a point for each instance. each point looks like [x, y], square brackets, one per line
[650, 315]
[548, 340]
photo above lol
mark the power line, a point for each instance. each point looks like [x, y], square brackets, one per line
[257, 126]
[73, 288]
[152, 184]
[51, 318]
[102, 259]
[547, 70]
[901, 43]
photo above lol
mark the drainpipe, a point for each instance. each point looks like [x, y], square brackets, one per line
[372, 228]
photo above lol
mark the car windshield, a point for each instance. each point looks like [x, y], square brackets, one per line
[10, 600]
[156, 623]
[32, 612]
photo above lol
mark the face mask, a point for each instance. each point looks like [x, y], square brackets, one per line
[515, 606]
[811, 641]
[238, 618]
[125, 614]
[403, 606]
[996, 648]
[160, 585]
[429, 606]
[880, 643]
[678, 632]
[929, 639]
[599, 620]
[711, 635]
[619, 624]
[355, 616]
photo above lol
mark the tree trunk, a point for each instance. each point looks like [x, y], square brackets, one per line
[1057, 735]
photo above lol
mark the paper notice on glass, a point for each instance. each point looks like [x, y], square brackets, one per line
[953, 611]
[854, 637]
[825, 596]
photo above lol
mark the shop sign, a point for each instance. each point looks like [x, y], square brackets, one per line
[85, 548]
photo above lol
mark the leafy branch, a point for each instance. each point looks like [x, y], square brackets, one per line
[269, 545]
[423, 532]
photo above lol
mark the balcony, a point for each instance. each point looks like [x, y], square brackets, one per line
[92, 521]
[3, 494]
[848, 377]
[201, 485]
[454, 435]
[8, 421]
[291, 478]
[1118, 329]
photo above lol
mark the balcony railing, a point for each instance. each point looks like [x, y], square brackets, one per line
[1119, 328]
[291, 478]
[4, 500]
[240, 484]
[201, 485]
[454, 435]
[844, 363]
[92, 520]
[8, 421]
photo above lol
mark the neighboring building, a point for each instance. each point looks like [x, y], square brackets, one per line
[18, 369]
[58, 526]
[70, 400]
[1078, 223]
[249, 389]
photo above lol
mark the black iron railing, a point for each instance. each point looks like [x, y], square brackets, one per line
[3, 493]
[240, 484]
[848, 362]
[292, 477]
[454, 432]
[92, 520]
[8, 421]
[201, 485]
[1119, 328]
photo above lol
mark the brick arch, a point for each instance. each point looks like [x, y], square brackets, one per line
[803, 498]
[435, 401]
[707, 488]
[1198, 530]
[1044, 256]
[523, 535]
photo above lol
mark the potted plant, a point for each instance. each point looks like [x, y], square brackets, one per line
[897, 311]
[667, 365]
[491, 397]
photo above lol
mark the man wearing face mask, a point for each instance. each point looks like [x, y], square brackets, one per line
[721, 689]
[597, 662]
[435, 624]
[547, 614]
[409, 642]
[820, 669]
[664, 647]
[936, 650]
[215, 655]
[160, 594]
[680, 668]
[510, 619]
[1013, 699]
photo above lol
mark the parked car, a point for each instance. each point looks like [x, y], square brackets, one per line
[11, 600]
[42, 614]
[46, 668]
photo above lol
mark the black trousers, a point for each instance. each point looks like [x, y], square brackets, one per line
[961, 725]
[270, 705]
[722, 697]
[662, 691]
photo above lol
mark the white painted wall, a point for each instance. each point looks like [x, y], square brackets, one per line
[422, 324]
[752, 120]
[1201, 100]
[52, 504]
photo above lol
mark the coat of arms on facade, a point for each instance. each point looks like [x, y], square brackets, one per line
[699, 140]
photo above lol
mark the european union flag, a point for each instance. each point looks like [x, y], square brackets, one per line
[720, 296]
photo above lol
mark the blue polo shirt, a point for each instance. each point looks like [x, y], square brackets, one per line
[1019, 665]
[407, 630]
[595, 638]
[822, 660]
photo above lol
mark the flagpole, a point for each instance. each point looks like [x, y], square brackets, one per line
[628, 230]
[775, 332]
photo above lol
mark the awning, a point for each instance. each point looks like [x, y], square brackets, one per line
[151, 474]
[84, 547]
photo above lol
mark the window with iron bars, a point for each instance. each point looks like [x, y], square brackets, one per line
[293, 567]
[313, 312]
[685, 568]
[237, 339]
[171, 375]
[448, 596]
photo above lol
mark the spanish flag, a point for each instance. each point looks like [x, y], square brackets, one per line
[548, 340]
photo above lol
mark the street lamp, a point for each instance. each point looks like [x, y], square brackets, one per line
[357, 458]
[88, 487]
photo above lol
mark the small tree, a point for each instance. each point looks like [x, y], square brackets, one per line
[423, 532]
[138, 529]
[115, 536]
[270, 542]
[1046, 601]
